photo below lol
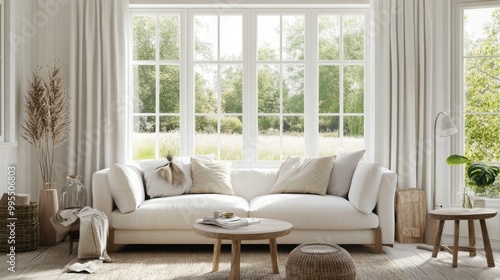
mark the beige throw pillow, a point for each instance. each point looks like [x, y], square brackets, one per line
[211, 177]
[304, 175]
[365, 186]
[126, 188]
[341, 175]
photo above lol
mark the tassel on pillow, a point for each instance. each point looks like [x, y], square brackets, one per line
[170, 172]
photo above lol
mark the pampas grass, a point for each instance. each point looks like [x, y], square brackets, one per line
[47, 123]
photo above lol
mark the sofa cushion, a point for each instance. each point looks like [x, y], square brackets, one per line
[211, 177]
[250, 183]
[312, 212]
[365, 185]
[159, 187]
[342, 171]
[177, 212]
[304, 175]
[126, 188]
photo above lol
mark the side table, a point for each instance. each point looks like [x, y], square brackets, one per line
[458, 214]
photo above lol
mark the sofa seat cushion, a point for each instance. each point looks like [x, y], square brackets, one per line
[177, 212]
[306, 211]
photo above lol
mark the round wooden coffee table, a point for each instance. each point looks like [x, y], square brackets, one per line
[265, 229]
[458, 214]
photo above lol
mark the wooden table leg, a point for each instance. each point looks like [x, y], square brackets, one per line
[217, 247]
[472, 238]
[437, 240]
[487, 245]
[235, 259]
[274, 255]
[455, 243]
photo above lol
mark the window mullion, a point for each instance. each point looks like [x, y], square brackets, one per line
[157, 87]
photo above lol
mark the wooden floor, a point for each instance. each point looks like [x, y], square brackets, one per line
[47, 263]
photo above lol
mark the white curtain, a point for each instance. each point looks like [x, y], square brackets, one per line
[410, 84]
[97, 86]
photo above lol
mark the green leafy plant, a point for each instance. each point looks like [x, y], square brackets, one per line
[481, 175]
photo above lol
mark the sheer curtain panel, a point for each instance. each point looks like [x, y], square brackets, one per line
[98, 86]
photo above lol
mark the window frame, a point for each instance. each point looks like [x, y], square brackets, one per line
[250, 98]
[457, 87]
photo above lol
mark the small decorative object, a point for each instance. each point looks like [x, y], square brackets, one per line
[171, 172]
[46, 128]
[481, 177]
[73, 194]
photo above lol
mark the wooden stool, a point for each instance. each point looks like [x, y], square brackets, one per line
[458, 214]
[74, 234]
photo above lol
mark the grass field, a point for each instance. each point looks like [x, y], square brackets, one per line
[231, 145]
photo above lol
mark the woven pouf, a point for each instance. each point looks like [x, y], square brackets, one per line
[320, 261]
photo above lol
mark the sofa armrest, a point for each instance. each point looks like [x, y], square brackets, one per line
[101, 195]
[385, 205]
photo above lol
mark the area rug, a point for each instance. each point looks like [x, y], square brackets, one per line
[195, 262]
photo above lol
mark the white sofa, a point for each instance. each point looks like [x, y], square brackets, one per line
[315, 218]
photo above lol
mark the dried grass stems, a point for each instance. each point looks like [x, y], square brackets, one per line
[47, 122]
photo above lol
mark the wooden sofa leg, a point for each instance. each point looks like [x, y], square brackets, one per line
[377, 234]
[111, 240]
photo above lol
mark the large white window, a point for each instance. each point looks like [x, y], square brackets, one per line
[251, 86]
[478, 84]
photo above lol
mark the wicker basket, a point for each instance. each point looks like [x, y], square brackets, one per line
[320, 261]
[26, 228]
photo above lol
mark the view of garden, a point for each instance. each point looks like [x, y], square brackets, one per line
[218, 70]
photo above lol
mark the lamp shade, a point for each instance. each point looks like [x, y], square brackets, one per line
[448, 128]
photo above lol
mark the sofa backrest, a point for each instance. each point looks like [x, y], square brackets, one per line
[250, 183]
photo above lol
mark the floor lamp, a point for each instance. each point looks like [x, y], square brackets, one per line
[447, 128]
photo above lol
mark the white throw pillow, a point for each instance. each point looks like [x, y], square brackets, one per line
[126, 188]
[211, 176]
[304, 175]
[341, 175]
[365, 186]
[159, 187]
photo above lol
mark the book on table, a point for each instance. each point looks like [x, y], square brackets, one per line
[228, 223]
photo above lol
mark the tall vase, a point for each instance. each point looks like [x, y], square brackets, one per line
[48, 207]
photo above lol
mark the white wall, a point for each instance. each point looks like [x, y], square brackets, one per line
[38, 33]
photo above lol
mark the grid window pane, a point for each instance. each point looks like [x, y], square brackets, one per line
[268, 37]
[354, 89]
[231, 80]
[206, 91]
[231, 37]
[329, 89]
[144, 92]
[170, 37]
[329, 37]
[269, 138]
[170, 96]
[144, 37]
[354, 37]
[269, 88]
[144, 137]
[205, 37]
[293, 37]
[293, 89]
[329, 136]
[170, 138]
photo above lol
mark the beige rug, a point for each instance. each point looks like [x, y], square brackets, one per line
[195, 262]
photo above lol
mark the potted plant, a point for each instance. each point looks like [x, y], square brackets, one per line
[481, 176]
